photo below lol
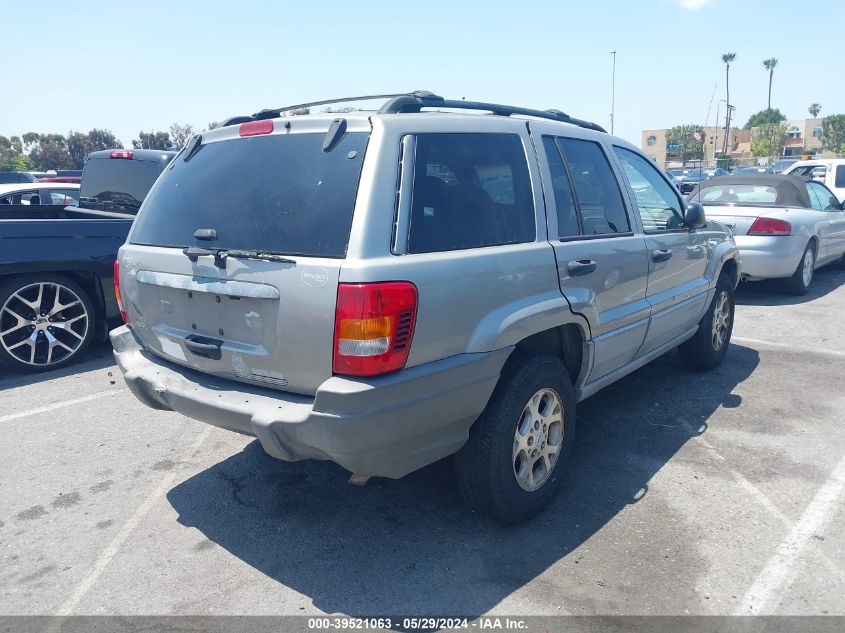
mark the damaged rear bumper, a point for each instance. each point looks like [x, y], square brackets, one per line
[385, 426]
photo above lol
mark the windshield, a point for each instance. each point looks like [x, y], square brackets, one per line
[739, 194]
[117, 182]
[279, 194]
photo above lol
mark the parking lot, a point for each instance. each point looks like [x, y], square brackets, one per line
[715, 493]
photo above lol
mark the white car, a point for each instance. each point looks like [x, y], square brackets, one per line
[39, 193]
[785, 227]
[829, 171]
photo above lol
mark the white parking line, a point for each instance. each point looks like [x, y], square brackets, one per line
[107, 554]
[777, 574]
[794, 348]
[57, 405]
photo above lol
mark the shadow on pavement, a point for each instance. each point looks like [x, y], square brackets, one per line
[410, 546]
[768, 292]
[98, 356]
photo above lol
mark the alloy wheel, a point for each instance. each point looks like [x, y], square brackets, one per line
[538, 439]
[43, 324]
[721, 320]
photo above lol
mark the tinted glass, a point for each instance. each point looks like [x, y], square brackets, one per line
[596, 189]
[281, 194]
[117, 183]
[826, 200]
[840, 176]
[62, 197]
[657, 203]
[567, 214]
[738, 194]
[12, 177]
[470, 190]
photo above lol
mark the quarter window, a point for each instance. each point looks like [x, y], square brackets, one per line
[840, 177]
[470, 191]
[821, 198]
[657, 203]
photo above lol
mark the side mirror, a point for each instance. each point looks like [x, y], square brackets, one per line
[694, 216]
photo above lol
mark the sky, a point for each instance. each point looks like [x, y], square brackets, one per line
[144, 65]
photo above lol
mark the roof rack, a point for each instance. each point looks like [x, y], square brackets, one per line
[419, 99]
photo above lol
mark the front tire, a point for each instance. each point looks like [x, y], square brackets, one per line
[706, 349]
[800, 281]
[46, 322]
[511, 466]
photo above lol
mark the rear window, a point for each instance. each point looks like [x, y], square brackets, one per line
[738, 194]
[117, 183]
[278, 194]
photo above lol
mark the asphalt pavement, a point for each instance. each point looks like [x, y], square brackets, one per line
[688, 493]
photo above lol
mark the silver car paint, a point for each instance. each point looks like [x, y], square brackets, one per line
[769, 257]
[472, 303]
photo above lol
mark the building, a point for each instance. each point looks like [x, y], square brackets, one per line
[803, 136]
[655, 145]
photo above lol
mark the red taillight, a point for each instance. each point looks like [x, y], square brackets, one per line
[117, 292]
[121, 153]
[254, 128]
[373, 328]
[770, 226]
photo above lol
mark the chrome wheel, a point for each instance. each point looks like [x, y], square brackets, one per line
[807, 271]
[721, 320]
[43, 324]
[538, 438]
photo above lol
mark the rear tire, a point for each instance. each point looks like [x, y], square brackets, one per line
[511, 467]
[800, 281]
[46, 322]
[706, 349]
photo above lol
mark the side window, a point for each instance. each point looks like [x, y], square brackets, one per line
[657, 203]
[839, 182]
[821, 198]
[63, 197]
[596, 190]
[469, 191]
[567, 214]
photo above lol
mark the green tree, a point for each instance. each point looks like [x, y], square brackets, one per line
[682, 145]
[764, 117]
[833, 133]
[152, 140]
[16, 162]
[769, 64]
[768, 139]
[814, 109]
[180, 134]
[51, 152]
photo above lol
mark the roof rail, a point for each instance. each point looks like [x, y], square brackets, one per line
[277, 112]
[415, 102]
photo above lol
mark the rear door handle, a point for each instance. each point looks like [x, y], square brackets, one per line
[204, 346]
[661, 255]
[581, 267]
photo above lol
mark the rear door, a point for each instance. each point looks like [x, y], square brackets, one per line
[601, 262]
[677, 256]
[258, 321]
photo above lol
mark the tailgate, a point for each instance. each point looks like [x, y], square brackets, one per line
[260, 322]
[279, 193]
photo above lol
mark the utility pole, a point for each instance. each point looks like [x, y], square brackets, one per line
[730, 110]
[613, 91]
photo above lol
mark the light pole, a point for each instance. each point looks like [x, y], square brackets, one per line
[716, 128]
[612, 91]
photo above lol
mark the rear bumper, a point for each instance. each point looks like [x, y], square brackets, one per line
[769, 257]
[386, 426]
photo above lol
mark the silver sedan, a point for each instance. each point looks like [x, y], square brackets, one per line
[785, 227]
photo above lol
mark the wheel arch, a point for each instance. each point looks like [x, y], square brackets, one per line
[565, 342]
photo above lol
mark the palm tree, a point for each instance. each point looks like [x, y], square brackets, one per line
[727, 58]
[814, 109]
[769, 64]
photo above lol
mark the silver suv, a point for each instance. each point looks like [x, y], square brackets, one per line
[387, 289]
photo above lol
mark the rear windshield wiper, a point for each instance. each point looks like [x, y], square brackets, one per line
[222, 254]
